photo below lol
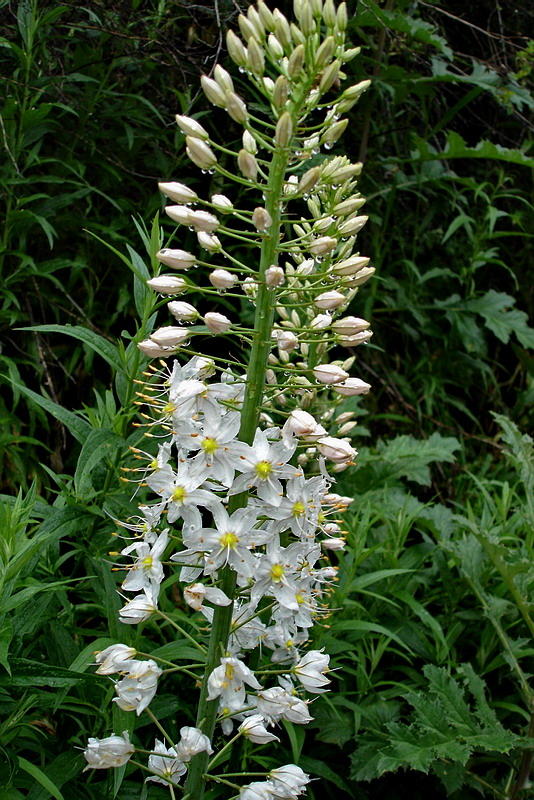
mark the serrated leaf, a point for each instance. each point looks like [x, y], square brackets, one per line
[500, 316]
[411, 456]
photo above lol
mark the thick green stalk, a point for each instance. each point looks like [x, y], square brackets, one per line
[261, 347]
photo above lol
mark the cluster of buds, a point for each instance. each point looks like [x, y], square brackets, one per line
[243, 445]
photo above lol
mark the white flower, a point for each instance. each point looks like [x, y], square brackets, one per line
[301, 423]
[114, 751]
[230, 542]
[257, 791]
[146, 572]
[229, 678]
[137, 610]
[192, 742]
[262, 465]
[311, 669]
[114, 658]
[195, 595]
[254, 729]
[136, 690]
[337, 450]
[166, 763]
[288, 781]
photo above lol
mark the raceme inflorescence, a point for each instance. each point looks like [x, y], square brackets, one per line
[240, 502]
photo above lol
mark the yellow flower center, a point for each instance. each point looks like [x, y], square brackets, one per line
[229, 671]
[147, 562]
[169, 408]
[263, 469]
[277, 571]
[299, 598]
[154, 464]
[179, 494]
[209, 445]
[229, 539]
[299, 509]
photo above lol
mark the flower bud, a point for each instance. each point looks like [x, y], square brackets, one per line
[307, 23]
[168, 284]
[180, 214]
[153, 350]
[249, 143]
[325, 52]
[334, 543]
[261, 219]
[322, 245]
[253, 728]
[284, 130]
[322, 225]
[342, 19]
[222, 203]
[183, 312]
[190, 127]
[333, 132]
[213, 91]
[309, 180]
[209, 242]
[329, 13]
[355, 339]
[236, 108]
[200, 153]
[178, 192]
[280, 92]
[355, 92]
[223, 78]
[329, 76]
[248, 31]
[287, 341]
[348, 206]
[296, 61]
[350, 266]
[204, 221]
[346, 173]
[352, 226]
[347, 427]
[275, 48]
[236, 50]
[349, 326]
[351, 387]
[321, 322]
[351, 52]
[337, 450]
[329, 374]
[282, 30]
[255, 58]
[265, 15]
[250, 287]
[217, 323]
[113, 751]
[297, 35]
[247, 164]
[170, 336]
[361, 277]
[330, 300]
[274, 276]
[255, 19]
[222, 279]
[176, 259]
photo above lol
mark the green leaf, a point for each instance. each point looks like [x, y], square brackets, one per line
[40, 777]
[410, 457]
[62, 769]
[100, 444]
[79, 428]
[500, 316]
[103, 347]
[27, 673]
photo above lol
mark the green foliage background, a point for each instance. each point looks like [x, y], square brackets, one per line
[433, 622]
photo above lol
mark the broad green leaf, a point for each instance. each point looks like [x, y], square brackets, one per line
[40, 777]
[500, 316]
[79, 427]
[100, 444]
[410, 457]
[62, 769]
[27, 673]
[102, 346]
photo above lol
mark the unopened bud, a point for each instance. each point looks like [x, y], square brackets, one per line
[296, 34]
[170, 336]
[217, 323]
[236, 107]
[275, 48]
[308, 180]
[355, 340]
[168, 284]
[236, 49]
[342, 18]
[255, 58]
[351, 387]
[248, 31]
[200, 153]
[153, 350]
[329, 13]
[222, 279]
[352, 226]
[179, 214]
[284, 130]
[249, 143]
[350, 266]
[282, 30]
[190, 127]
[213, 91]
[361, 276]
[280, 92]
[287, 341]
[274, 276]
[349, 326]
[348, 206]
[329, 76]
[176, 259]
[325, 52]
[322, 245]
[223, 79]
[261, 219]
[247, 164]
[330, 300]
[296, 61]
[333, 132]
[337, 450]
[183, 312]
[222, 203]
[329, 374]
[178, 192]
[209, 242]
[255, 19]
[307, 23]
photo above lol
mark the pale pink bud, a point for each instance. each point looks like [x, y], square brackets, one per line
[153, 350]
[321, 322]
[355, 339]
[204, 221]
[168, 284]
[349, 326]
[178, 192]
[209, 242]
[222, 279]
[329, 300]
[361, 276]
[236, 108]
[306, 267]
[337, 450]
[352, 386]
[176, 259]
[222, 203]
[183, 312]
[322, 245]
[261, 219]
[190, 127]
[274, 276]
[170, 336]
[329, 373]
[286, 340]
[217, 323]
[180, 214]
[200, 153]
[352, 226]
[350, 266]
[247, 164]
